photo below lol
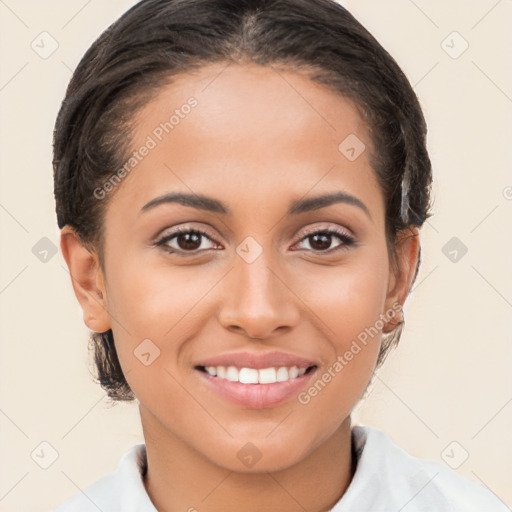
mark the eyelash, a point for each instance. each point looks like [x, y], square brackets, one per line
[347, 240]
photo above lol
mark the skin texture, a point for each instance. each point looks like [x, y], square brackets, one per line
[258, 139]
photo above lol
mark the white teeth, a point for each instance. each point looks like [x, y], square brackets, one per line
[254, 376]
[282, 374]
[293, 372]
[267, 376]
[248, 376]
[232, 374]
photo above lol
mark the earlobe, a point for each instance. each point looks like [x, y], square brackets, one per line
[86, 279]
[402, 275]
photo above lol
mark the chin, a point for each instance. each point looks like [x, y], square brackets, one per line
[258, 453]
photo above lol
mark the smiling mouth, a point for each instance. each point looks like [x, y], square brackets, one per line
[246, 375]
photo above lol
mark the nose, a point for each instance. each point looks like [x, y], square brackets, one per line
[257, 301]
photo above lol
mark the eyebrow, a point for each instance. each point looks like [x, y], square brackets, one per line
[194, 200]
[298, 206]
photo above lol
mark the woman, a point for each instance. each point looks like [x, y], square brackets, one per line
[240, 186]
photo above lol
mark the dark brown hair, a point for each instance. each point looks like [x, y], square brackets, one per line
[158, 39]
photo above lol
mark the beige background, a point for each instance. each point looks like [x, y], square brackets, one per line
[451, 378]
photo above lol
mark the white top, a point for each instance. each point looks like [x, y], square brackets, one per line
[387, 479]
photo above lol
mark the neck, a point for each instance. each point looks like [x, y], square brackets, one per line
[179, 478]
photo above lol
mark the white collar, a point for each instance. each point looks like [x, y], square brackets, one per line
[386, 479]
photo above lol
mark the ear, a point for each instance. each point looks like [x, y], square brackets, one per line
[402, 273]
[87, 280]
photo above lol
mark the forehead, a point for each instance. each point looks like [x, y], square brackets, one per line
[249, 130]
[251, 104]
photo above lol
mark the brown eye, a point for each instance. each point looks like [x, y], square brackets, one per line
[186, 241]
[321, 241]
[189, 241]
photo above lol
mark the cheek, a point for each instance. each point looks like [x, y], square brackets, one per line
[349, 299]
[151, 298]
[349, 307]
[353, 315]
[151, 309]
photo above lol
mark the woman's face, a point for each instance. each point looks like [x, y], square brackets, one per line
[281, 278]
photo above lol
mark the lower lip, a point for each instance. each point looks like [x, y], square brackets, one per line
[257, 396]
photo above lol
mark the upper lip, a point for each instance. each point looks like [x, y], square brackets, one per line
[257, 360]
